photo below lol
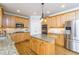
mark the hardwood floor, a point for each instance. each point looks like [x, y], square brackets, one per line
[23, 49]
[62, 51]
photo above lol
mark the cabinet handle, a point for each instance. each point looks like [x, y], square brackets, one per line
[40, 44]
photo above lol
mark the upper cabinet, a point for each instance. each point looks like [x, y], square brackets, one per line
[58, 21]
[70, 16]
[10, 21]
[52, 22]
[24, 21]
[63, 19]
[77, 14]
[1, 16]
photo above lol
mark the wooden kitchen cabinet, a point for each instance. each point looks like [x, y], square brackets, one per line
[52, 22]
[12, 21]
[58, 20]
[19, 37]
[24, 21]
[9, 21]
[60, 40]
[6, 21]
[35, 45]
[71, 15]
[1, 16]
[63, 20]
[42, 47]
[46, 48]
[77, 14]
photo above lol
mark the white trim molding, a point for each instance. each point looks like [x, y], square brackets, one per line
[8, 13]
[62, 12]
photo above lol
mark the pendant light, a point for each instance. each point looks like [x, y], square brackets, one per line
[42, 12]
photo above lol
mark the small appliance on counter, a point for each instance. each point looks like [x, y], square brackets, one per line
[72, 35]
[44, 29]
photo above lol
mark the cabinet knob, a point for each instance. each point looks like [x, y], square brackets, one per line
[40, 44]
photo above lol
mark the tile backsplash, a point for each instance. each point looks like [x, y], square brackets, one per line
[56, 30]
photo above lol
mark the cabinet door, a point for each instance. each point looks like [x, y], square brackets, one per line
[50, 48]
[1, 16]
[58, 19]
[12, 21]
[31, 44]
[71, 16]
[37, 46]
[5, 20]
[53, 22]
[77, 14]
[60, 40]
[34, 45]
[9, 21]
[47, 48]
[42, 49]
[63, 19]
[26, 22]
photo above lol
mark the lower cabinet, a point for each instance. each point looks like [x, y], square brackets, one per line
[19, 37]
[60, 40]
[41, 47]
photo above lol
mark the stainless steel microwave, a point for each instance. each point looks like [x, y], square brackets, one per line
[19, 25]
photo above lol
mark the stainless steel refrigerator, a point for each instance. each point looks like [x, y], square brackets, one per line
[72, 35]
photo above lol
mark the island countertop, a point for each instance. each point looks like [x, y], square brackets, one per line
[48, 38]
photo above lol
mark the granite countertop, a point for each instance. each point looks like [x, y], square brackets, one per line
[47, 38]
[7, 46]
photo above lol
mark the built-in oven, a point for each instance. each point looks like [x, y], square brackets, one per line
[44, 29]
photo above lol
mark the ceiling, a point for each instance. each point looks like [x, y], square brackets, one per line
[29, 9]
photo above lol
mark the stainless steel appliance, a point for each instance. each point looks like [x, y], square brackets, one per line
[72, 35]
[19, 25]
[44, 29]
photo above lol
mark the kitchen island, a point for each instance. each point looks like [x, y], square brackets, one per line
[42, 45]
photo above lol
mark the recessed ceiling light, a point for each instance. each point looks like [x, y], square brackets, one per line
[48, 12]
[18, 10]
[34, 13]
[63, 6]
[45, 20]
